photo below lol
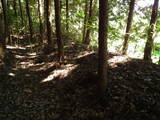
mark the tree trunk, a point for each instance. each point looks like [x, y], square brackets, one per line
[14, 7]
[87, 38]
[129, 24]
[30, 20]
[85, 20]
[48, 23]
[58, 30]
[151, 32]
[61, 5]
[2, 30]
[73, 4]
[103, 34]
[67, 15]
[40, 20]
[6, 36]
[8, 18]
[21, 13]
[159, 61]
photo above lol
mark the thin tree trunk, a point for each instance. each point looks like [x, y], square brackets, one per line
[67, 15]
[48, 23]
[85, 20]
[6, 25]
[61, 5]
[103, 34]
[8, 29]
[87, 38]
[45, 17]
[21, 13]
[29, 19]
[151, 32]
[129, 24]
[58, 31]
[14, 7]
[73, 4]
[3, 32]
[40, 20]
[159, 61]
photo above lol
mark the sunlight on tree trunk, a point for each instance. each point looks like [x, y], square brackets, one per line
[151, 32]
[129, 23]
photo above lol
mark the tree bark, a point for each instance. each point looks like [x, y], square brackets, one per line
[87, 37]
[59, 31]
[151, 32]
[67, 15]
[5, 20]
[128, 27]
[14, 7]
[103, 34]
[48, 23]
[85, 20]
[73, 4]
[40, 20]
[3, 29]
[29, 19]
[21, 13]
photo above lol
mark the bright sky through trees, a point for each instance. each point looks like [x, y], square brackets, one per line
[143, 3]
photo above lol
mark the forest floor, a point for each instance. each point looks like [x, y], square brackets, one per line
[34, 87]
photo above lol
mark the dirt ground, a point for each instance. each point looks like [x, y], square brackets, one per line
[34, 87]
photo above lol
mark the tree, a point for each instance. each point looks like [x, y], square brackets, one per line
[5, 20]
[48, 23]
[21, 13]
[29, 19]
[3, 29]
[40, 19]
[87, 36]
[85, 20]
[128, 27]
[151, 32]
[67, 15]
[58, 30]
[14, 7]
[103, 34]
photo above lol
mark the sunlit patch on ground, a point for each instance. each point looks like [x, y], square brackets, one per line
[41, 66]
[20, 56]
[60, 73]
[118, 59]
[85, 53]
[26, 64]
[15, 47]
[32, 54]
[12, 74]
